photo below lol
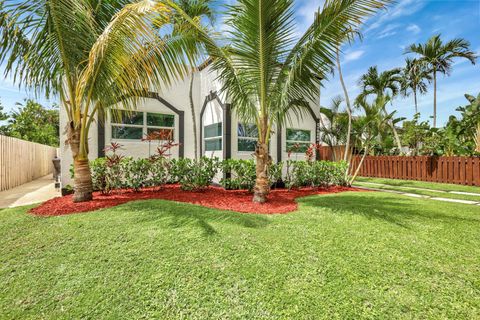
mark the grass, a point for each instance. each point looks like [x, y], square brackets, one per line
[422, 184]
[345, 256]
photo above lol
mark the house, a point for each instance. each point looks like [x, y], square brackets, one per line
[220, 133]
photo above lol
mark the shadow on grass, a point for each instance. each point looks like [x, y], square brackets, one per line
[392, 209]
[177, 215]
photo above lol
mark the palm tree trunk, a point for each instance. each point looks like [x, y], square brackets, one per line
[262, 183]
[194, 118]
[415, 98]
[434, 98]
[357, 171]
[397, 137]
[82, 177]
[349, 108]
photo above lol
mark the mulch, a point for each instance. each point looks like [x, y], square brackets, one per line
[279, 200]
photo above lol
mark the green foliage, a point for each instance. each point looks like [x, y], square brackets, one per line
[242, 174]
[194, 175]
[32, 122]
[315, 173]
[159, 172]
[135, 173]
[98, 169]
[414, 133]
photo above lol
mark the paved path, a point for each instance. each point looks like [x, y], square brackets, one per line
[36, 191]
[414, 195]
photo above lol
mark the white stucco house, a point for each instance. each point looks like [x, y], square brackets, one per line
[220, 133]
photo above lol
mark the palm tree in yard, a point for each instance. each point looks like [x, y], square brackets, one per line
[267, 72]
[415, 79]
[439, 56]
[91, 54]
[384, 84]
[198, 11]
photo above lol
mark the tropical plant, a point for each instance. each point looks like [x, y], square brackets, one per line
[198, 11]
[196, 174]
[33, 122]
[414, 133]
[268, 72]
[384, 84]
[92, 54]
[415, 79]
[334, 125]
[439, 56]
[370, 127]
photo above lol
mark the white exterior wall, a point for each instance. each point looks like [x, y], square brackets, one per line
[177, 95]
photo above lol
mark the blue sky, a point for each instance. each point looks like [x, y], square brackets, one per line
[385, 37]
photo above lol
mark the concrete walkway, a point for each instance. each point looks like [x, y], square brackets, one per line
[37, 191]
[414, 195]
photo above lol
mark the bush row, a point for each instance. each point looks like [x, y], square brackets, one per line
[113, 173]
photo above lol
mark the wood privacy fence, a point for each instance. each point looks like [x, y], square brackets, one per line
[456, 170]
[22, 161]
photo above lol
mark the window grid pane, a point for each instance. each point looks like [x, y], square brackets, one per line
[161, 134]
[298, 135]
[213, 144]
[213, 130]
[160, 120]
[247, 145]
[128, 117]
[297, 147]
[247, 130]
[127, 133]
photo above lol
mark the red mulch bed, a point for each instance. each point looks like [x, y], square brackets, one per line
[279, 201]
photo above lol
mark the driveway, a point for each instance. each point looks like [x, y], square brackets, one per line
[36, 191]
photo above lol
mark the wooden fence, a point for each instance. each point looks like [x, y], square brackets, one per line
[22, 161]
[456, 170]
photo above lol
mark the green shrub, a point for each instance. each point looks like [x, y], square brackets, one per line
[98, 170]
[315, 174]
[159, 172]
[241, 174]
[135, 173]
[194, 175]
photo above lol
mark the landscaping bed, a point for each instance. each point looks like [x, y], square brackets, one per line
[279, 200]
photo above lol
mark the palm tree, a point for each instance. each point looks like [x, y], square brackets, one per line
[267, 73]
[370, 126]
[333, 132]
[92, 54]
[197, 10]
[439, 58]
[415, 79]
[384, 84]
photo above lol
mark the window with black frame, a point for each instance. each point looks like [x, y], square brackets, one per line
[213, 137]
[135, 125]
[298, 140]
[247, 137]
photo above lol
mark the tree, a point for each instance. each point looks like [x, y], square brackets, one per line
[266, 72]
[439, 58]
[334, 133]
[414, 133]
[415, 79]
[384, 84]
[197, 10]
[33, 122]
[93, 55]
[370, 126]
[3, 115]
[470, 123]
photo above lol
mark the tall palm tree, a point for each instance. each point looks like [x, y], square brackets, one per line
[92, 54]
[198, 11]
[415, 79]
[384, 84]
[439, 56]
[334, 131]
[267, 72]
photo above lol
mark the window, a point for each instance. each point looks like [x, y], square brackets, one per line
[247, 137]
[135, 125]
[213, 137]
[298, 140]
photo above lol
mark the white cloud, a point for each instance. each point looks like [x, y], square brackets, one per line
[415, 29]
[401, 9]
[354, 55]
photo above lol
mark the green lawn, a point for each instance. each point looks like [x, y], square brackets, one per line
[422, 184]
[345, 256]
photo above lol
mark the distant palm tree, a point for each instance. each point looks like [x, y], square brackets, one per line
[439, 58]
[267, 72]
[384, 84]
[415, 79]
[197, 10]
[92, 54]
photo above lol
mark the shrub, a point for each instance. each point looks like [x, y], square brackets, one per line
[315, 173]
[135, 173]
[275, 174]
[241, 174]
[98, 169]
[159, 173]
[194, 175]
